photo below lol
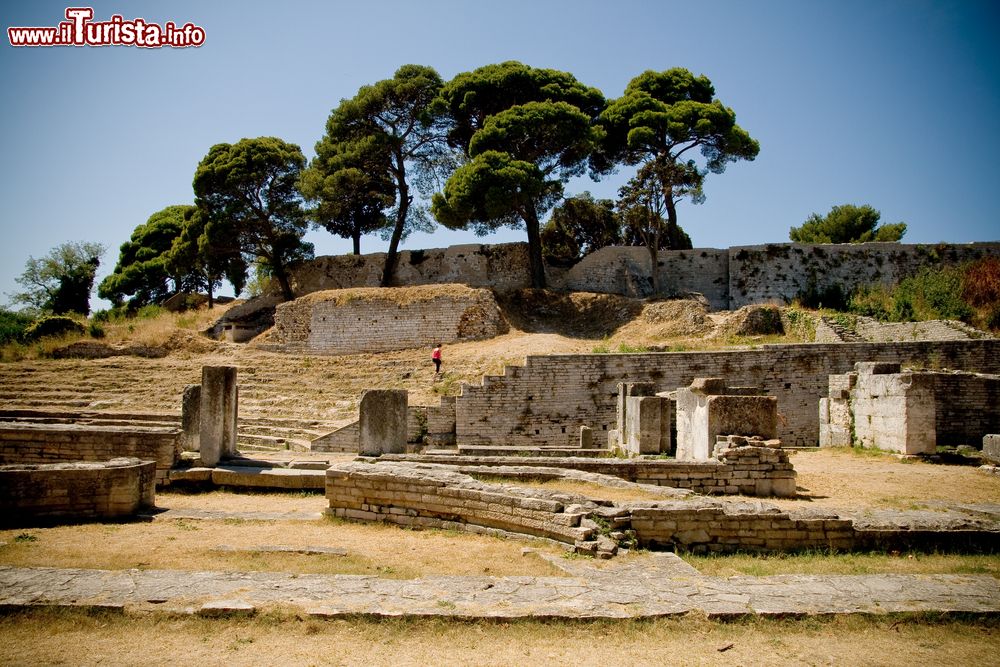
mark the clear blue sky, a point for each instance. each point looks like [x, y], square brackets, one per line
[892, 103]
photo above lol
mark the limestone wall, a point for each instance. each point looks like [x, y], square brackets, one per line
[376, 320]
[546, 401]
[729, 277]
[967, 407]
[750, 471]
[415, 496]
[23, 443]
[75, 491]
[781, 271]
[502, 266]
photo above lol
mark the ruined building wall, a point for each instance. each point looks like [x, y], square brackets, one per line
[546, 401]
[22, 443]
[374, 320]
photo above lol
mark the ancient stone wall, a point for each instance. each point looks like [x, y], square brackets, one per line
[22, 443]
[781, 271]
[75, 491]
[750, 471]
[377, 320]
[546, 401]
[729, 278]
[502, 266]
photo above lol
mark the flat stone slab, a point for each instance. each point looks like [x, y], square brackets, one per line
[284, 548]
[657, 587]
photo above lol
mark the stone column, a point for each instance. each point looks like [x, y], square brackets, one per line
[626, 389]
[382, 422]
[191, 417]
[218, 414]
[586, 437]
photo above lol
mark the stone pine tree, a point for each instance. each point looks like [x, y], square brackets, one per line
[669, 117]
[249, 192]
[62, 280]
[349, 190]
[205, 261]
[847, 223]
[395, 132]
[142, 273]
[579, 225]
[524, 132]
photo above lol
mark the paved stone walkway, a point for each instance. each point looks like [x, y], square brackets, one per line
[591, 590]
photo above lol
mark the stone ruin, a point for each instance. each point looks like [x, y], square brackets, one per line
[880, 406]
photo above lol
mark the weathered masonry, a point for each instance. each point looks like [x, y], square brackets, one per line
[374, 320]
[33, 444]
[910, 412]
[729, 278]
[546, 401]
[46, 492]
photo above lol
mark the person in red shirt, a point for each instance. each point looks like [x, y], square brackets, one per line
[436, 358]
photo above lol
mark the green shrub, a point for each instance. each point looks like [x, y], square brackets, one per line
[931, 294]
[872, 301]
[96, 330]
[148, 312]
[53, 325]
[13, 326]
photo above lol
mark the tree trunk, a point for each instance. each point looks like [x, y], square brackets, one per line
[654, 262]
[356, 237]
[211, 297]
[389, 271]
[278, 269]
[534, 248]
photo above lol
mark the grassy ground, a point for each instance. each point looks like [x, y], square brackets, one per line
[186, 544]
[76, 638]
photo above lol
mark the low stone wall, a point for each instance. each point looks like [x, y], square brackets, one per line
[50, 492]
[426, 425]
[414, 495]
[441, 497]
[24, 443]
[702, 526]
[378, 320]
[753, 471]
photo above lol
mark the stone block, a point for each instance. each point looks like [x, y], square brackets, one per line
[876, 368]
[218, 408]
[708, 386]
[586, 437]
[382, 422]
[647, 425]
[191, 417]
[626, 389]
[991, 447]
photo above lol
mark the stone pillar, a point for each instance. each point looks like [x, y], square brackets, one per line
[894, 411]
[647, 425]
[218, 413]
[626, 389]
[991, 447]
[191, 417]
[382, 422]
[586, 437]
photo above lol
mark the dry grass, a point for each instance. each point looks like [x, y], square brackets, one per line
[229, 501]
[763, 565]
[187, 544]
[845, 478]
[77, 638]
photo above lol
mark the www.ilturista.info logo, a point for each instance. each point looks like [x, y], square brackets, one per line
[80, 30]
